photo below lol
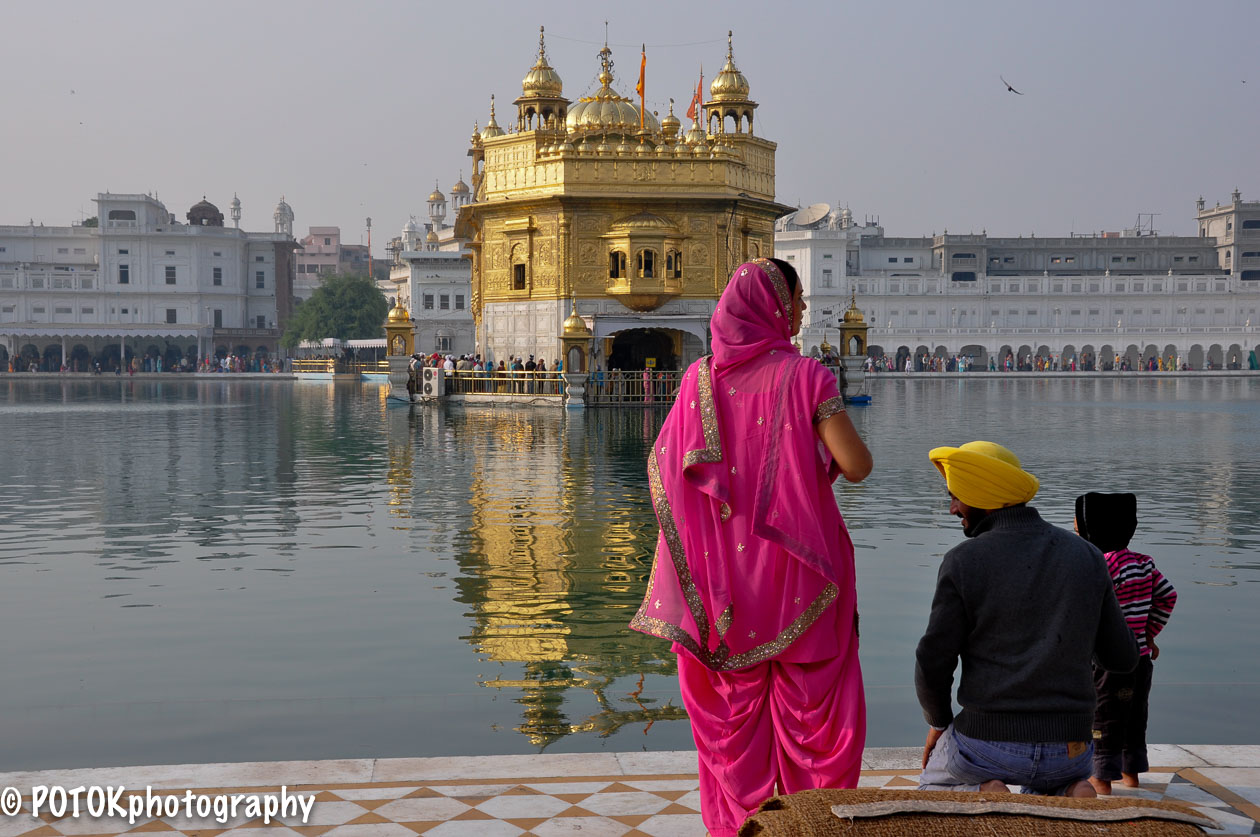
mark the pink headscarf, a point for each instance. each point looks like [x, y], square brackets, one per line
[690, 472]
[753, 316]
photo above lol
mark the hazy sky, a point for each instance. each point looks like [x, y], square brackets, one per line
[353, 109]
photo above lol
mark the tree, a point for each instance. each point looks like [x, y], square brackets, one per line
[345, 307]
[91, 222]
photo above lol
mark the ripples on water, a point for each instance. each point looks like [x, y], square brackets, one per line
[237, 570]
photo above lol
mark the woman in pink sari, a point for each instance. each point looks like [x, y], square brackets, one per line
[753, 578]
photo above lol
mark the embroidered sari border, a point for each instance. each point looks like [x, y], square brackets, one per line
[677, 554]
[828, 408]
[779, 283]
[712, 451]
[788, 635]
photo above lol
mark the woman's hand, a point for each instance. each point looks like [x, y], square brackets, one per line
[846, 447]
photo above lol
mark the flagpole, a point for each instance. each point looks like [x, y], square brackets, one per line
[642, 71]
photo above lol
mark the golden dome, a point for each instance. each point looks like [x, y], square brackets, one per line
[575, 326]
[852, 314]
[670, 124]
[432, 237]
[729, 84]
[460, 188]
[542, 80]
[695, 135]
[436, 195]
[492, 128]
[607, 112]
[398, 314]
[825, 347]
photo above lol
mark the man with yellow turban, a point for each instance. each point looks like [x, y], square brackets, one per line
[1026, 606]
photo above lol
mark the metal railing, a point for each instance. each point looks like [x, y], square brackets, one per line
[471, 382]
[646, 388]
[602, 388]
[339, 367]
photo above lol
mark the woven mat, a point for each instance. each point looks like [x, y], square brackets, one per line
[868, 815]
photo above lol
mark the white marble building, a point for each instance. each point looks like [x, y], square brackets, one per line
[143, 284]
[431, 276]
[1133, 293]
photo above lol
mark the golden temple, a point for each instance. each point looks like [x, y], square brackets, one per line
[598, 206]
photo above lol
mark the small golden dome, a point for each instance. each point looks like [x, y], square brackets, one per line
[825, 347]
[607, 111]
[542, 80]
[729, 84]
[670, 124]
[436, 195]
[492, 128]
[432, 237]
[398, 314]
[574, 325]
[852, 314]
[695, 135]
[460, 188]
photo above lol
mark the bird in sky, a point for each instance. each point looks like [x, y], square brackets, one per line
[1008, 87]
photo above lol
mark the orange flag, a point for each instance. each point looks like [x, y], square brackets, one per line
[638, 88]
[696, 99]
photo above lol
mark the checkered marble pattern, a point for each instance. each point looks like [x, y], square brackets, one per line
[618, 804]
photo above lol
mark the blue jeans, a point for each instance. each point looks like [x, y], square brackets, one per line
[961, 763]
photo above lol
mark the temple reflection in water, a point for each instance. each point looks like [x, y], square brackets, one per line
[554, 550]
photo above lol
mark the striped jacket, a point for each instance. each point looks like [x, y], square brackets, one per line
[1146, 597]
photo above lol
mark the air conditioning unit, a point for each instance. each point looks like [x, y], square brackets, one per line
[432, 382]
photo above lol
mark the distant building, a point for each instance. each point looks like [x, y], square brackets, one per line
[430, 274]
[353, 260]
[324, 254]
[1134, 293]
[320, 256]
[143, 284]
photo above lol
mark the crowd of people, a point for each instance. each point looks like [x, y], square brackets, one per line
[1028, 362]
[149, 364]
[240, 363]
[469, 373]
[753, 582]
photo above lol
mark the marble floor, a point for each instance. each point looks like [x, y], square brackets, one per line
[613, 794]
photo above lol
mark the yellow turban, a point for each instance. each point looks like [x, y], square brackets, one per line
[984, 475]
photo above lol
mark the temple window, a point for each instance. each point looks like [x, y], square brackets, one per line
[673, 265]
[518, 267]
[616, 265]
[646, 264]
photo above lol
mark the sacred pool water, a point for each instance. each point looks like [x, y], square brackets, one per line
[227, 570]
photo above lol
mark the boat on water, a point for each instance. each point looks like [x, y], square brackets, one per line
[857, 400]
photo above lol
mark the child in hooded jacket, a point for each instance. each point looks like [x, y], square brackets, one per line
[1108, 521]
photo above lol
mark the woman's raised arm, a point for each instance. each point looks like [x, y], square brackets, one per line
[846, 446]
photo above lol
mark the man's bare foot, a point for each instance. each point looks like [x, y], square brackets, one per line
[995, 786]
[1102, 787]
[1130, 780]
[1082, 790]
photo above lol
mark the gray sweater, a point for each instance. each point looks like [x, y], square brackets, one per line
[1024, 605]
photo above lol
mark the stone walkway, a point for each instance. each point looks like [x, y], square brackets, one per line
[594, 795]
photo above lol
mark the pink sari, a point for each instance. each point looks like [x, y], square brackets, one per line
[753, 578]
